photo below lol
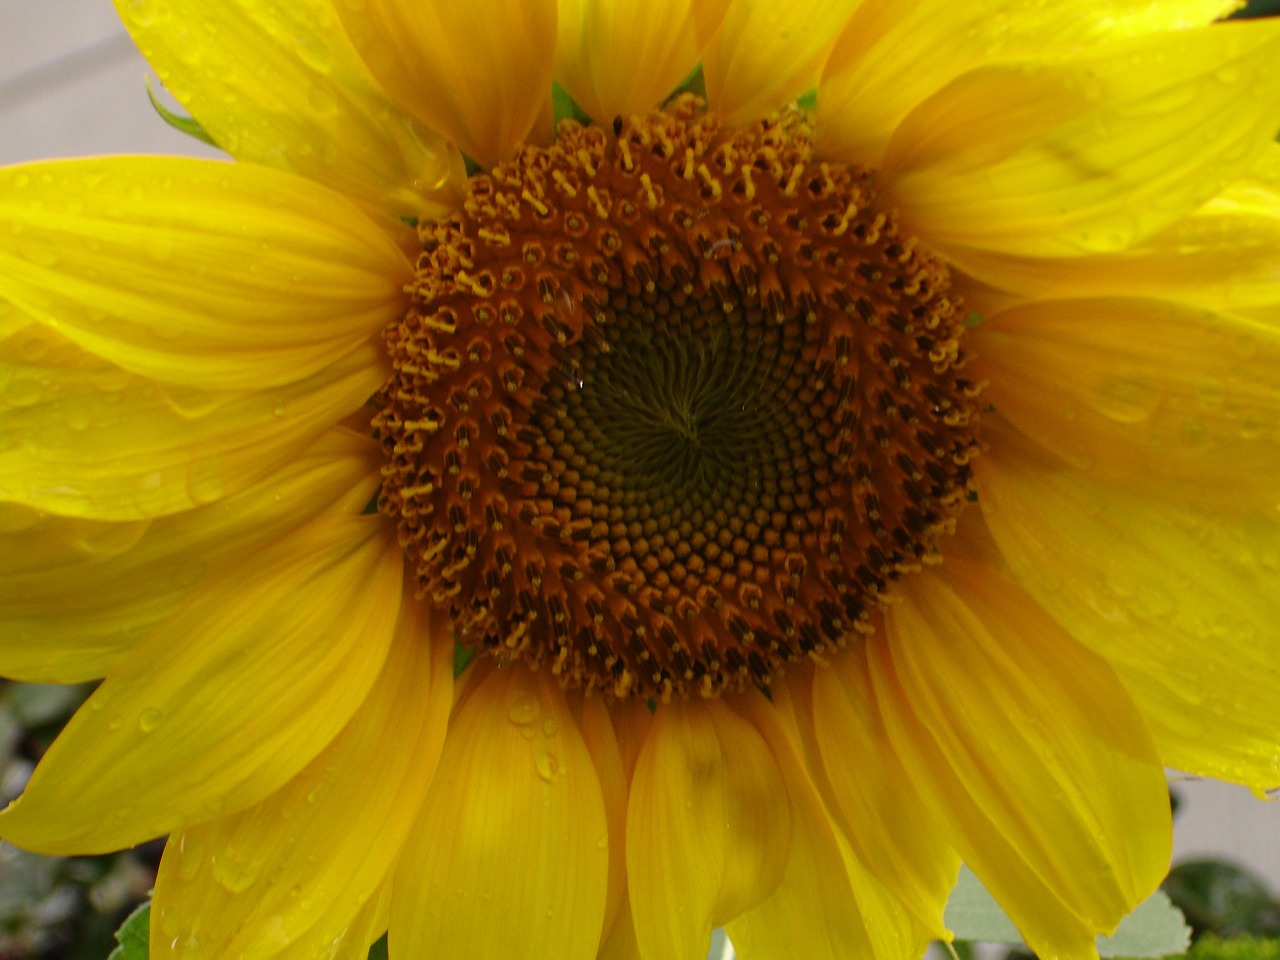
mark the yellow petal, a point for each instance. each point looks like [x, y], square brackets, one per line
[889, 827]
[624, 57]
[226, 700]
[1030, 748]
[813, 913]
[894, 54]
[509, 857]
[620, 941]
[12, 319]
[81, 438]
[478, 73]
[708, 805]
[1135, 389]
[214, 275]
[279, 84]
[89, 589]
[352, 943]
[1181, 600]
[765, 54]
[249, 884]
[602, 744]
[1088, 155]
[1223, 256]
[895, 932]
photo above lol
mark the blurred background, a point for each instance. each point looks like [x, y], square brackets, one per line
[72, 83]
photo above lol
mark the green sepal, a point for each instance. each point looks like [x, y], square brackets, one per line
[694, 83]
[182, 124]
[564, 107]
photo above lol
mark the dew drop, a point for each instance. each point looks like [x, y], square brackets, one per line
[205, 482]
[321, 100]
[1126, 401]
[233, 874]
[547, 763]
[149, 719]
[524, 710]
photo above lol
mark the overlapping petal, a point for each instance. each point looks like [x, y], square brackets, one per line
[242, 886]
[894, 54]
[1131, 389]
[1029, 747]
[1090, 154]
[479, 74]
[510, 854]
[890, 827]
[622, 58]
[76, 594]
[278, 83]
[1223, 257]
[79, 437]
[1181, 600]
[708, 827]
[213, 275]
[813, 912]
[765, 54]
[226, 700]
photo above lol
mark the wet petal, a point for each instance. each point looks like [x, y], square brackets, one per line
[250, 884]
[452, 65]
[890, 828]
[213, 275]
[813, 913]
[894, 54]
[278, 83]
[1223, 256]
[1030, 748]
[1182, 601]
[1131, 389]
[226, 700]
[510, 855]
[1088, 155]
[90, 589]
[81, 438]
[602, 743]
[708, 805]
[766, 54]
[625, 57]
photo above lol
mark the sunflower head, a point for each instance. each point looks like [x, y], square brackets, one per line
[673, 406]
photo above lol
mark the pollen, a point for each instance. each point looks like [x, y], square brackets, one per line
[674, 405]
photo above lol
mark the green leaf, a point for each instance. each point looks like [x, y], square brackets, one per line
[1222, 898]
[182, 124]
[1237, 948]
[973, 914]
[1154, 929]
[132, 935]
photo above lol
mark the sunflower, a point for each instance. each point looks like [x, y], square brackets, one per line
[734, 504]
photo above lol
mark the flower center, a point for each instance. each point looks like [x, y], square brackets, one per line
[672, 407]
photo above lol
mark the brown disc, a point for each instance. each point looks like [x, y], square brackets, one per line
[673, 405]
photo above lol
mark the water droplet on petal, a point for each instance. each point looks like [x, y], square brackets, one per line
[547, 763]
[149, 719]
[523, 711]
[233, 874]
